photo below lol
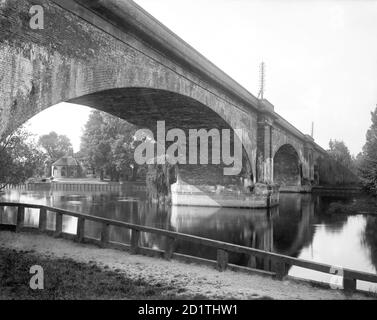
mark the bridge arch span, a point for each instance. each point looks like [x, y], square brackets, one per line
[114, 53]
[72, 60]
[287, 166]
[144, 107]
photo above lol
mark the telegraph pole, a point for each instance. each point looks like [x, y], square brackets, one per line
[262, 80]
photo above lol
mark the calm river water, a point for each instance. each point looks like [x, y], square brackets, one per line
[300, 227]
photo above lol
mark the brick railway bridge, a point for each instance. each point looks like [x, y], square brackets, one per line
[113, 56]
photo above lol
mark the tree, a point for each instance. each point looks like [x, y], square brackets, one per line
[56, 146]
[20, 158]
[107, 145]
[340, 153]
[368, 160]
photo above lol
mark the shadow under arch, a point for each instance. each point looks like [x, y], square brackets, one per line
[144, 107]
[287, 166]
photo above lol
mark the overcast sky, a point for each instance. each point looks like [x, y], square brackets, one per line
[321, 59]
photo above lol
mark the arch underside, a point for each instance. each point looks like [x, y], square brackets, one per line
[287, 170]
[145, 107]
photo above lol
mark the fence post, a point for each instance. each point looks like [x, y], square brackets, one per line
[349, 285]
[80, 233]
[252, 263]
[170, 247]
[135, 236]
[58, 225]
[20, 218]
[280, 268]
[222, 260]
[105, 235]
[42, 219]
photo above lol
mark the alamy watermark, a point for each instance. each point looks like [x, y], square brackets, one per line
[37, 280]
[176, 153]
[336, 281]
[37, 17]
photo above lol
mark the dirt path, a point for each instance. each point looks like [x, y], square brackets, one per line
[184, 278]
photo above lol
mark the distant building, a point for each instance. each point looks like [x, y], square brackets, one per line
[67, 167]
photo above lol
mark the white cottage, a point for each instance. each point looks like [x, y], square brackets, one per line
[66, 167]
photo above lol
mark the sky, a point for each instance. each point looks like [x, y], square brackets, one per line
[321, 59]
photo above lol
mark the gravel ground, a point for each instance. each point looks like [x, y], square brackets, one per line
[184, 279]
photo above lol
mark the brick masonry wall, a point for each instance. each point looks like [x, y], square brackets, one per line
[74, 60]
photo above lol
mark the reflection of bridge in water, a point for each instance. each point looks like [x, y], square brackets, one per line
[285, 229]
[286, 233]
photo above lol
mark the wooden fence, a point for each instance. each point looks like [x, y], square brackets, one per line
[80, 187]
[280, 263]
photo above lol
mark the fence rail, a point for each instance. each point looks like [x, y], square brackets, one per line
[280, 263]
[80, 187]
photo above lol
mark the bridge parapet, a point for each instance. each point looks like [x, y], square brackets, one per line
[129, 17]
[267, 107]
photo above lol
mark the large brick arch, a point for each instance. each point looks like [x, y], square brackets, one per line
[281, 138]
[144, 107]
[287, 166]
[71, 60]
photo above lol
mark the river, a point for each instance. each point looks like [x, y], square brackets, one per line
[300, 227]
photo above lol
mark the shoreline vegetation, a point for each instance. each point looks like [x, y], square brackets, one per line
[364, 205]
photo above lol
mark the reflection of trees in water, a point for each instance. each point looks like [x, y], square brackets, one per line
[333, 222]
[286, 230]
[238, 226]
[370, 238]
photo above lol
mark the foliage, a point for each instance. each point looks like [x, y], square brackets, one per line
[159, 178]
[367, 161]
[332, 173]
[20, 158]
[340, 153]
[56, 146]
[107, 146]
[339, 167]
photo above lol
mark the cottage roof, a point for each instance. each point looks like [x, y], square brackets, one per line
[67, 161]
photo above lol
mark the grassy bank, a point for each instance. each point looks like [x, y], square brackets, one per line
[68, 279]
[366, 205]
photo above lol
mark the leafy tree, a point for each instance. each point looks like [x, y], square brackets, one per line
[123, 154]
[56, 146]
[107, 146]
[368, 159]
[340, 153]
[20, 159]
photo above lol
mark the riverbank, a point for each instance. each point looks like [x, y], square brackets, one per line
[87, 272]
[365, 205]
[67, 279]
